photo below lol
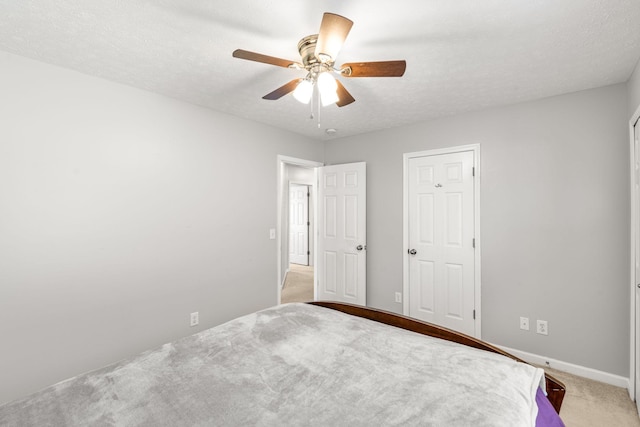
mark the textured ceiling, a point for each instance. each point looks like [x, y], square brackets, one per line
[461, 55]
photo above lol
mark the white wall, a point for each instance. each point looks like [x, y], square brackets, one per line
[554, 219]
[121, 212]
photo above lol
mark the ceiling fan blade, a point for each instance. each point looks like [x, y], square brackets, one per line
[344, 97]
[333, 32]
[375, 69]
[282, 90]
[258, 57]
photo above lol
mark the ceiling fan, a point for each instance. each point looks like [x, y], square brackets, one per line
[318, 53]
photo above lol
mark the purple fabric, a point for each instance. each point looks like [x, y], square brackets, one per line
[547, 416]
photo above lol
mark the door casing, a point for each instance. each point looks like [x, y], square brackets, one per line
[405, 227]
[282, 162]
[634, 329]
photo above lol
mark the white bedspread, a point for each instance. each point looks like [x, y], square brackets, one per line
[295, 364]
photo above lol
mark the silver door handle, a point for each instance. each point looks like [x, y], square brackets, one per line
[412, 251]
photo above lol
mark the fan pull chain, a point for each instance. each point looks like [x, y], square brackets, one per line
[319, 107]
[315, 94]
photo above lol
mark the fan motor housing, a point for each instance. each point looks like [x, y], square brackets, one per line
[307, 49]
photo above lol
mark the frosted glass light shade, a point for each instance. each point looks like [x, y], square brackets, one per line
[303, 91]
[327, 87]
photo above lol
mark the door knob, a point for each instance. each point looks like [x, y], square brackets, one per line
[359, 247]
[412, 251]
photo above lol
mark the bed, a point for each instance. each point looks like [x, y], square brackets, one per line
[299, 364]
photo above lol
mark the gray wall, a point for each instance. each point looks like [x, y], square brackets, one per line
[633, 87]
[121, 212]
[554, 219]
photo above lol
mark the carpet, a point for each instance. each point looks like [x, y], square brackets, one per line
[591, 403]
[298, 285]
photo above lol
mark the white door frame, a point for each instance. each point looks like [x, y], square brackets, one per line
[635, 217]
[405, 226]
[282, 161]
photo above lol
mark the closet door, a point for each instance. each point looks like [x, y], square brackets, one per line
[441, 240]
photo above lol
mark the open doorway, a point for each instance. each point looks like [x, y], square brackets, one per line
[296, 229]
[298, 282]
[299, 224]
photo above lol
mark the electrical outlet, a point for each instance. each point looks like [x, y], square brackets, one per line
[398, 296]
[524, 323]
[542, 327]
[194, 318]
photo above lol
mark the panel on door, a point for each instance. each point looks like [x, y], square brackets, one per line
[299, 224]
[441, 245]
[341, 239]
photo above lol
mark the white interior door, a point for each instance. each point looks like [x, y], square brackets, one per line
[341, 246]
[299, 224]
[442, 240]
[636, 190]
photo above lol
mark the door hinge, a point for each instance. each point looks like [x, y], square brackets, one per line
[473, 171]
[474, 315]
[473, 243]
[308, 194]
[308, 253]
[308, 223]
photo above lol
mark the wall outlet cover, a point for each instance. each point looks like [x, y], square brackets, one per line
[542, 328]
[194, 320]
[398, 296]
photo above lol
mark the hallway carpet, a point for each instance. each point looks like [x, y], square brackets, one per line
[298, 285]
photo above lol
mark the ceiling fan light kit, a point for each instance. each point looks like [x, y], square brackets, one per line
[318, 53]
[303, 91]
[327, 87]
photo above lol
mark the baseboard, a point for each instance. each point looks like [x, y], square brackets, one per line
[581, 371]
